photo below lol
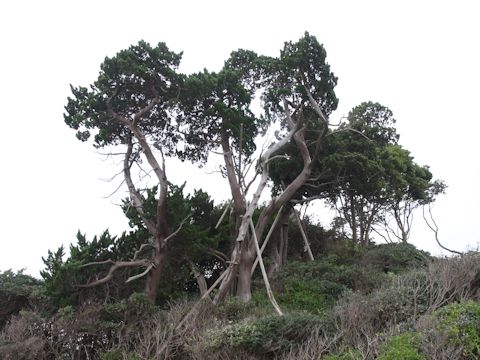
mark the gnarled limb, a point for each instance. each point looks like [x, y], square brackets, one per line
[116, 266]
[230, 272]
[135, 196]
[138, 276]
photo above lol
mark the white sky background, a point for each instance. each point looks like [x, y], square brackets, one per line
[419, 58]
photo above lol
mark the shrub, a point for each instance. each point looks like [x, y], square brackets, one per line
[405, 347]
[233, 309]
[366, 315]
[268, 334]
[396, 257]
[315, 286]
[461, 323]
[31, 348]
[133, 309]
[313, 296]
[18, 291]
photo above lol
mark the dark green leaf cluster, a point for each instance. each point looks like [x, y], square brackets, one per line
[62, 276]
[461, 323]
[405, 346]
[301, 66]
[18, 291]
[217, 105]
[128, 83]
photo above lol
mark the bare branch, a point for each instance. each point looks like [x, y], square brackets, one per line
[178, 229]
[147, 108]
[112, 113]
[433, 226]
[117, 188]
[352, 130]
[304, 236]
[315, 105]
[141, 248]
[114, 176]
[109, 261]
[287, 112]
[138, 276]
[264, 272]
[116, 266]
[223, 214]
[265, 242]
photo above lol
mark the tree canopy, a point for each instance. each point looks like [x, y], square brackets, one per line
[143, 107]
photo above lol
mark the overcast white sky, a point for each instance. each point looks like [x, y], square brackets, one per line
[419, 58]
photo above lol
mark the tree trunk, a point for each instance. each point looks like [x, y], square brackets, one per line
[155, 275]
[274, 250]
[278, 244]
[353, 222]
[267, 213]
[284, 248]
[244, 280]
[200, 279]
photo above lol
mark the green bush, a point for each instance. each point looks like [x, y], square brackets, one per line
[19, 291]
[315, 286]
[402, 347]
[133, 309]
[268, 334]
[233, 309]
[395, 257]
[313, 296]
[461, 323]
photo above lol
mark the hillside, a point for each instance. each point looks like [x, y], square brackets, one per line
[386, 302]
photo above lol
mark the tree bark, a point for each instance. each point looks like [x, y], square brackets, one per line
[277, 246]
[155, 275]
[200, 279]
[244, 280]
[236, 257]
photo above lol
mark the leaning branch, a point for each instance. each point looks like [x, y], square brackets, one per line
[178, 229]
[315, 105]
[145, 110]
[135, 196]
[116, 266]
[304, 236]
[264, 272]
[138, 276]
[433, 226]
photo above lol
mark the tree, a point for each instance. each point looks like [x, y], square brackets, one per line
[17, 291]
[132, 106]
[412, 187]
[296, 91]
[193, 254]
[371, 178]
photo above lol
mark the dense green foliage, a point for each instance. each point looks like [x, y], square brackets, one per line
[18, 291]
[193, 244]
[405, 346]
[268, 334]
[461, 323]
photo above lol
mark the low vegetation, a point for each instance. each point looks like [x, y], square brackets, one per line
[429, 310]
